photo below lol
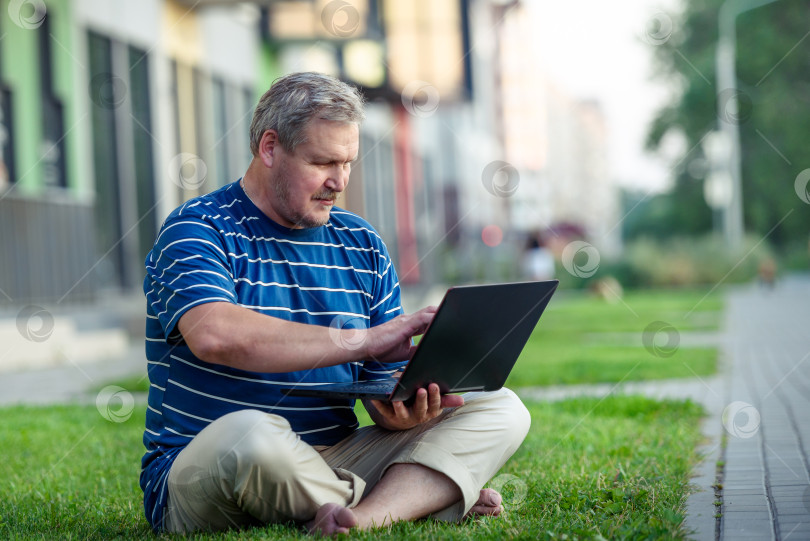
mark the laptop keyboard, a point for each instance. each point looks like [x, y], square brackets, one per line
[384, 387]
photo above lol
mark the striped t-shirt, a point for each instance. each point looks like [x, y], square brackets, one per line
[221, 247]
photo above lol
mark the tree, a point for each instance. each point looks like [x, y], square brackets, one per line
[773, 92]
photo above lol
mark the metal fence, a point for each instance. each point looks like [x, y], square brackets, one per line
[47, 250]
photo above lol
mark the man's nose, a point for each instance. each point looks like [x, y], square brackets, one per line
[338, 178]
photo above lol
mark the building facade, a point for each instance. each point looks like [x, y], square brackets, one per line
[114, 112]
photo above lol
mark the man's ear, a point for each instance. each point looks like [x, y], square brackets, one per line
[268, 146]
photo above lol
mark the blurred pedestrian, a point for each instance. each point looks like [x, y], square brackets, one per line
[538, 261]
[767, 272]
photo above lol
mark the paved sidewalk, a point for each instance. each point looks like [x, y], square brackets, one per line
[70, 383]
[766, 479]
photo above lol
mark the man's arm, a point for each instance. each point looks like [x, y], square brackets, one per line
[227, 334]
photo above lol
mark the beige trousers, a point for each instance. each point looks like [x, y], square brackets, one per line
[249, 467]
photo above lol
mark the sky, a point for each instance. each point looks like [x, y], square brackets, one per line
[602, 50]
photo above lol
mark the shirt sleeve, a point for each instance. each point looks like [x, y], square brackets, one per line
[386, 306]
[188, 266]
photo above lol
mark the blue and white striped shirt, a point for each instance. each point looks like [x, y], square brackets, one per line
[221, 248]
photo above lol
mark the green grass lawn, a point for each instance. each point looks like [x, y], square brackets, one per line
[582, 339]
[589, 469]
[612, 468]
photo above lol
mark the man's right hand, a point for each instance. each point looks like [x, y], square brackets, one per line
[391, 341]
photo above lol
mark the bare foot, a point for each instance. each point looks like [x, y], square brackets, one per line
[332, 519]
[488, 504]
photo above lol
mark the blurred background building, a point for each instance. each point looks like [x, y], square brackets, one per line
[114, 112]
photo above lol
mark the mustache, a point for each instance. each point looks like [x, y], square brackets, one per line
[330, 195]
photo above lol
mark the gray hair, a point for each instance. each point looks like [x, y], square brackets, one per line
[295, 99]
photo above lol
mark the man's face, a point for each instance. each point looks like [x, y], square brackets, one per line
[307, 181]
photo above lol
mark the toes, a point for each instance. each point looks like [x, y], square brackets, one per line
[332, 519]
[488, 504]
[345, 518]
[490, 497]
[484, 510]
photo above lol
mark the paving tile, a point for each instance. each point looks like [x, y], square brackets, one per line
[787, 466]
[733, 470]
[787, 477]
[793, 515]
[795, 534]
[793, 525]
[750, 472]
[740, 486]
[794, 481]
[747, 492]
[747, 525]
[795, 512]
[787, 488]
[752, 532]
[792, 498]
[747, 501]
[743, 491]
[792, 501]
[787, 483]
[757, 505]
[793, 519]
[743, 448]
[787, 491]
[743, 517]
[742, 458]
[786, 480]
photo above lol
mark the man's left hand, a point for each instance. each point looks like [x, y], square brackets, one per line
[427, 405]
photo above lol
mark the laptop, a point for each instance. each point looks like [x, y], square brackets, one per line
[472, 344]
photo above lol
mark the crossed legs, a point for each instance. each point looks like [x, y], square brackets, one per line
[250, 468]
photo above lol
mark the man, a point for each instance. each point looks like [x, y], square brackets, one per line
[265, 284]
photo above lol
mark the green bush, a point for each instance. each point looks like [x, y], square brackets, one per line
[795, 257]
[682, 262]
[688, 261]
[645, 262]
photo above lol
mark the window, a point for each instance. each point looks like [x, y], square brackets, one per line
[142, 149]
[7, 173]
[221, 134]
[53, 129]
[123, 158]
[105, 159]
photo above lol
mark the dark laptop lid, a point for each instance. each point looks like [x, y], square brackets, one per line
[476, 337]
